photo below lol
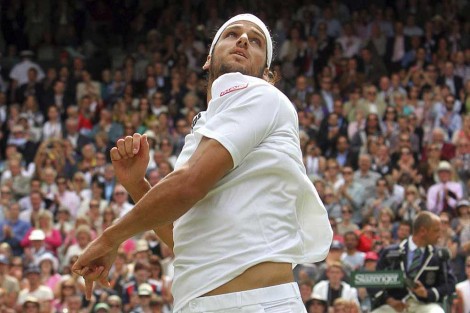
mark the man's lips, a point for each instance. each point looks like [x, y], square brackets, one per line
[240, 53]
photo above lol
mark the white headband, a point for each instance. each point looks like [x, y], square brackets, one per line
[254, 20]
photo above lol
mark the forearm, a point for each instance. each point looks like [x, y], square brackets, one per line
[162, 204]
[137, 191]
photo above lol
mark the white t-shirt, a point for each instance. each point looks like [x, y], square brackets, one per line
[264, 209]
[464, 288]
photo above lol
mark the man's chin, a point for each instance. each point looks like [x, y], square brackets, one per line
[233, 67]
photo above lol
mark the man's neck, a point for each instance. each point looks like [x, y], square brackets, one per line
[418, 241]
[351, 251]
[335, 285]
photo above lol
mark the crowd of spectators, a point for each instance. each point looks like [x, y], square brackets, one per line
[382, 91]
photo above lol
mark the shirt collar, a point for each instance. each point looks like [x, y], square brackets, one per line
[412, 245]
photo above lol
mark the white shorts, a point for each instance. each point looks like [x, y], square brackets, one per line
[283, 298]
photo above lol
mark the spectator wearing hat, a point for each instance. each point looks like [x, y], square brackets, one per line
[35, 288]
[8, 284]
[334, 287]
[101, 307]
[462, 218]
[30, 305]
[36, 246]
[13, 229]
[49, 266]
[142, 251]
[316, 304]
[53, 238]
[144, 293]
[141, 275]
[370, 264]
[444, 195]
[115, 304]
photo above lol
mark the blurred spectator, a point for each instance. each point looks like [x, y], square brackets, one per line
[443, 196]
[352, 257]
[334, 288]
[316, 304]
[9, 285]
[35, 289]
[13, 229]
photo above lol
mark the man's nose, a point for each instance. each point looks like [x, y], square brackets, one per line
[243, 40]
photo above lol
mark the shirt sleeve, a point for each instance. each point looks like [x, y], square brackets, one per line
[242, 120]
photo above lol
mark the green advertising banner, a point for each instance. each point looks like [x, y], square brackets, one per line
[378, 279]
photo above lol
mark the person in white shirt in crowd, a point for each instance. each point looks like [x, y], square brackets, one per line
[19, 73]
[120, 203]
[334, 287]
[444, 195]
[53, 127]
[462, 303]
[352, 256]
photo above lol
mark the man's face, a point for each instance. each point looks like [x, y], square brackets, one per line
[240, 48]
[433, 232]
[403, 232]
[350, 241]
[334, 274]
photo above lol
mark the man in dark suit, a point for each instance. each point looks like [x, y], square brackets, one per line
[396, 48]
[31, 88]
[448, 78]
[72, 134]
[427, 274]
[58, 97]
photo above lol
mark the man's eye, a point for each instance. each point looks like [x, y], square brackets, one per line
[231, 34]
[256, 41]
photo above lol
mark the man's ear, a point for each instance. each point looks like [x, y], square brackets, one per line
[207, 65]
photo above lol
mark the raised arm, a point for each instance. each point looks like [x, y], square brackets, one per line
[163, 204]
[130, 160]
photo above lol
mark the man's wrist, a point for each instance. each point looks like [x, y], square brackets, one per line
[137, 189]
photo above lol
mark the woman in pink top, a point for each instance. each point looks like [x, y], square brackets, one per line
[49, 266]
[53, 238]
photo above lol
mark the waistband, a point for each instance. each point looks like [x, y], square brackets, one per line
[242, 298]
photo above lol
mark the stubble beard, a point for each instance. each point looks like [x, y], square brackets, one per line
[218, 69]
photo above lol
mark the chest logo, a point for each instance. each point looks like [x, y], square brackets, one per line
[234, 88]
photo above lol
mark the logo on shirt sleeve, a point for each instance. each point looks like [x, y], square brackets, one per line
[234, 88]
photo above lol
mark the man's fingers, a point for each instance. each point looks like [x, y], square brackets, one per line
[128, 143]
[136, 138]
[103, 278]
[88, 288]
[144, 145]
[115, 156]
[120, 144]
